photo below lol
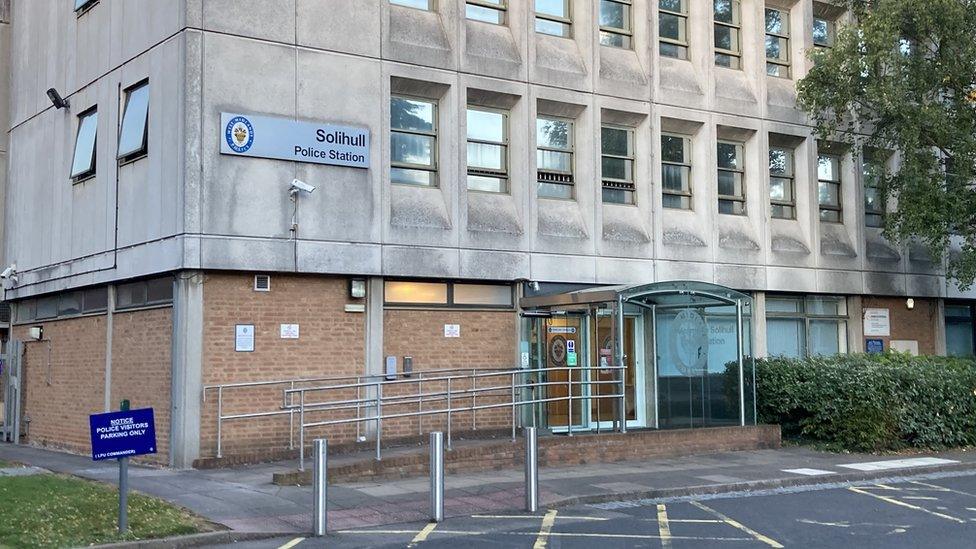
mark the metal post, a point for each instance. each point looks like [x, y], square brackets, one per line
[123, 495]
[220, 413]
[657, 404]
[448, 413]
[437, 476]
[738, 350]
[291, 422]
[513, 407]
[569, 411]
[420, 403]
[474, 401]
[320, 487]
[531, 470]
[379, 421]
[301, 430]
[622, 372]
[359, 400]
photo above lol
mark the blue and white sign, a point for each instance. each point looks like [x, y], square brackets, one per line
[296, 140]
[874, 346]
[122, 434]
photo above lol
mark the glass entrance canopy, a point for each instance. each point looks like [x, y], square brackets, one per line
[681, 351]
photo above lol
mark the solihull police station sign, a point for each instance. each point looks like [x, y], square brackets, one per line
[288, 139]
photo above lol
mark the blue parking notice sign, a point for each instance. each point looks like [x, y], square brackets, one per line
[874, 346]
[122, 434]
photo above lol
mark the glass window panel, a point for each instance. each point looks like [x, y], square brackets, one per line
[784, 305]
[412, 177]
[482, 294]
[675, 178]
[411, 114]
[159, 290]
[415, 292]
[822, 32]
[731, 207]
[958, 311]
[672, 5]
[84, 158]
[777, 22]
[777, 48]
[727, 61]
[618, 196]
[26, 310]
[555, 161]
[95, 299]
[131, 295]
[959, 338]
[728, 155]
[553, 28]
[617, 168]
[874, 220]
[79, 4]
[778, 189]
[486, 125]
[872, 199]
[726, 11]
[419, 4]
[671, 26]
[69, 303]
[673, 148]
[482, 155]
[673, 50]
[829, 194]
[132, 139]
[786, 337]
[412, 149]
[485, 14]
[779, 211]
[556, 134]
[726, 38]
[614, 40]
[827, 168]
[614, 14]
[730, 183]
[828, 337]
[47, 307]
[615, 141]
[487, 184]
[823, 305]
[558, 8]
[555, 190]
[676, 202]
[780, 162]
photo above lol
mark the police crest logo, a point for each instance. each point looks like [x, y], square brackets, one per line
[239, 134]
[689, 342]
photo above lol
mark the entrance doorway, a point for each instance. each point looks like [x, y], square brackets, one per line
[602, 409]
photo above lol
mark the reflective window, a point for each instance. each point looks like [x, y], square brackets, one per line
[482, 294]
[676, 171]
[143, 293]
[487, 11]
[83, 164]
[554, 157]
[731, 179]
[487, 150]
[829, 190]
[413, 141]
[82, 4]
[873, 174]
[617, 164]
[798, 327]
[728, 50]
[553, 17]
[415, 292]
[445, 294]
[69, 303]
[959, 329]
[777, 42]
[135, 119]
[823, 33]
[615, 25]
[419, 4]
[782, 196]
[673, 28]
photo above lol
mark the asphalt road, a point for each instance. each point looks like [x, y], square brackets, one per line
[928, 511]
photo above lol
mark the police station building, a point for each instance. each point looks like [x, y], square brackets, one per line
[202, 193]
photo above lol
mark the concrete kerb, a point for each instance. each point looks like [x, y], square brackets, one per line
[757, 485]
[194, 540]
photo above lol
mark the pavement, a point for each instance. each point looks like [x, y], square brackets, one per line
[245, 500]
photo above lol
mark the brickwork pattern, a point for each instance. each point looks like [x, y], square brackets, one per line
[917, 324]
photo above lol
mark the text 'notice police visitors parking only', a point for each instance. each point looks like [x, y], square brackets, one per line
[123, 434]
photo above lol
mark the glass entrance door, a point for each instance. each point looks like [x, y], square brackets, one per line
[602, 409]
[564, 351]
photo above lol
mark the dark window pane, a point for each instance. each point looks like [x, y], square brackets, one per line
[131, 295]
[96, 299]
[69, 303]
[728, 155]
[615, 141]
[725, 11]
[160, 290]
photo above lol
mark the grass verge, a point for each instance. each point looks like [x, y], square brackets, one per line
[60, 511]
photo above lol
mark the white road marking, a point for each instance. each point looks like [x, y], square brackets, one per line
[818, 523]
[808, 472]
[728, 520]
[422, 534]
[292, 543]
[550, 534]
[561, 517]
[944, 489]
[896, 464]
[922, 498]
[903, 504]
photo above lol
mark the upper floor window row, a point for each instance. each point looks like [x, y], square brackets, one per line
[132, 138]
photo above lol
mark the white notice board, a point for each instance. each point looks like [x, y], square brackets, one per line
[877, 322]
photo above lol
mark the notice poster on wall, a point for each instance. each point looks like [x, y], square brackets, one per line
[877, 323]
[244, 338]
[289, 331]
[452, 330]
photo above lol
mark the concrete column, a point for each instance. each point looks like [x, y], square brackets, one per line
[855, 326]
[940, 329]
[758, 347]
[187, 369]
[109, 333]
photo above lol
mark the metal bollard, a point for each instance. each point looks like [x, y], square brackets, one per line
[320, 488]
[437, 476]
[531, 470]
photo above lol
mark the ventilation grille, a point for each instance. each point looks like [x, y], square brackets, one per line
[4, 312]
[262, 283]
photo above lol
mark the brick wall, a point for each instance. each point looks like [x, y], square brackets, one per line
[142, 368]
[489, 340]
[63, 381]
[918, 324]
[331, 343]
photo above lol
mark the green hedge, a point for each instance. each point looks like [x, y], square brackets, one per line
[871, 403]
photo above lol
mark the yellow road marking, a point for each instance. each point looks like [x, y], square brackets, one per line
[903, 504]
[545, 530]
[735, 524]
[550, 534]
[292, 543]
[422, 534]
[662, 525]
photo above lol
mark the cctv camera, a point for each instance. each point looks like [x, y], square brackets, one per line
[9, 271]
[56, 99]
[298, 185]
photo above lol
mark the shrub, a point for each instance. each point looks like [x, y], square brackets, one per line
[871, 402]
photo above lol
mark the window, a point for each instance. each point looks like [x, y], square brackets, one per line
[676, 171]
[69, 303]
[487, 150]
[782, 196]
[727, 27]
[83, 4]
[83, 164]
[615, 27]
[823, 33]
[552, 17]
[419, 4]
[617, 164]
[959, 329]
[135, 119]
[554, 156]
[777, 42]
[731, 179]
[413, 141]
[873, 171]
[673, 28]
[144, 293]
[798, 327]
[487, 11]
[447, 294]
[828, 184]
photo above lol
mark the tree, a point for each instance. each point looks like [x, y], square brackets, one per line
[902, 79]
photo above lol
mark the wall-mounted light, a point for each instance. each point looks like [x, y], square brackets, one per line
[357, 288]
[36, 332]
[56, 99]
[910, 303]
